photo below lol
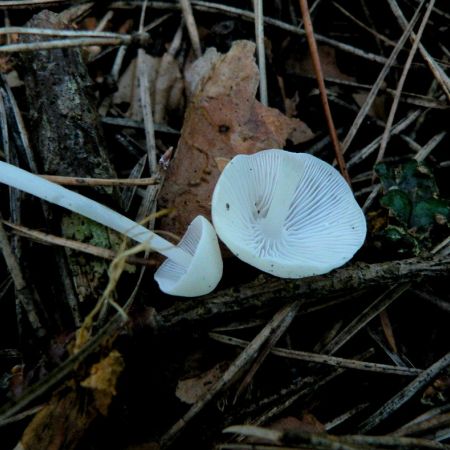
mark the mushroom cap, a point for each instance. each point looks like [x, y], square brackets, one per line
[205, 270]
[289, 214]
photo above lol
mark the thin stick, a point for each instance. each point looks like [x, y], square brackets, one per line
[294, 29]
[364, 26]
[440, 76]
[260, 49]
[322, 89]
[429, 146]
[191, 27]
[366, 316]
[146, 104]
[405, 394]
[78, 181]
[27, 3]
[273, 338]
[370, 148]
[323, 359]
[242, 361]
[379, 81]
[148, 204]
[401, 83]
[23, 135]
[249, 15]
[4, 126]
[344, 417]
[94, 250]
[24, 293]
[298, 438]
[63, 43]
[424, 425]
[63, 33]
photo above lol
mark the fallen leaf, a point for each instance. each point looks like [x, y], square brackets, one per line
[198, 70]
[103, 378]
[191, 390]
[166, 88]
[223, 119]
[60, 424]
[378, 108]
[328, 63]
[307, 422]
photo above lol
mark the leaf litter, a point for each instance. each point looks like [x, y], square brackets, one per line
[217, 94]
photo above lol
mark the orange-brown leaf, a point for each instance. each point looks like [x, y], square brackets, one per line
[223, 119]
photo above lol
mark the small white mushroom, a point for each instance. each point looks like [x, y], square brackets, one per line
[193, 267]
[289, 214]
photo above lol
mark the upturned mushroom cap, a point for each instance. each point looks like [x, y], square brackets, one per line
[288, 214]
[203, 273]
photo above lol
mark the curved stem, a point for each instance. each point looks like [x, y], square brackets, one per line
[54, 193]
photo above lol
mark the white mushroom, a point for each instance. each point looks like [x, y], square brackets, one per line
[193, 267]
[288, 214]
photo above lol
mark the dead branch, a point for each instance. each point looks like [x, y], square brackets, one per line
[266, 290]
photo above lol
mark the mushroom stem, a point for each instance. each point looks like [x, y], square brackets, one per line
[54, 193]
[282, 195]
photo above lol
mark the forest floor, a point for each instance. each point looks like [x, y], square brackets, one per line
[140, 105]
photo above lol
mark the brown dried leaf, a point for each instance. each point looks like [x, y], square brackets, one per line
[223, 119]
[193, 389]
[103, 379]
[328, 62]
[378, 108]
[60, 424]
[307, 422]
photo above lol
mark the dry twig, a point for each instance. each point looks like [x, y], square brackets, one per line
[377, 85]
[390, 120]
[260, 49]
[323, 91]
[239, 364]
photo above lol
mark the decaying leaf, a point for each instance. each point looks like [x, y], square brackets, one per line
[191, 390]
[328, 63]
[60, 424]
[166, 87]
[103, 379]
[223, 119]
[199, 70]
[306, 422]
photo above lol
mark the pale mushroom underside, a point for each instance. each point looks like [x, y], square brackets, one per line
[319, 225]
